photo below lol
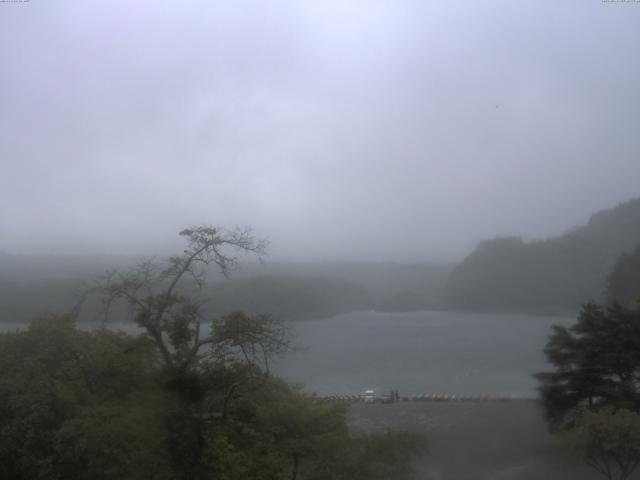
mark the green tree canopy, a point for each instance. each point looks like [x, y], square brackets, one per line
[608, 441]
[77, 404]
[173, 403]
[597, 364]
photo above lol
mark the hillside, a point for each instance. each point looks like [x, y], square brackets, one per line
[288, 297]
[555, 274]
[392, 286]
[20, 302]
[34, 284]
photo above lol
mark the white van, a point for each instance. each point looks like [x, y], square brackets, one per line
[369, 396]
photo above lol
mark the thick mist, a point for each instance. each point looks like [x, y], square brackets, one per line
[368, 131]
[428, 260]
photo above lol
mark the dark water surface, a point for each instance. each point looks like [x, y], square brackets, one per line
[420, 352]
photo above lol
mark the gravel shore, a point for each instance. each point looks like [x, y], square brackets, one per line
[479, 441]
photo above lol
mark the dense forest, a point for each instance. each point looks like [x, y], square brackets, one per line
[289, 297]
[176, 402]
[555, 274]
[623, 285]
[103, 405]
[32, 286]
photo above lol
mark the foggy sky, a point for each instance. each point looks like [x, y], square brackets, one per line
[367, 130]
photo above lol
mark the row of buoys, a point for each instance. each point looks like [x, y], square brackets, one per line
[341, 398]
[422, 397]
[443, 397]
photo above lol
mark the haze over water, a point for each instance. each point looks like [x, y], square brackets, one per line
[461, 353]
[421, 352]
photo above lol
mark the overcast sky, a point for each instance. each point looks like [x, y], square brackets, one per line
[366, 130]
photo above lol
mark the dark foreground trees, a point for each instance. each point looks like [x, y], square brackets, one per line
[597, 364]
[189, 398]
[75, 404]
[593, 396]
[97, 405]
[607, 440]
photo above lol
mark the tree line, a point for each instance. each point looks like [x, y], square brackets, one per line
[592, 398]
[557, 274]
[180, 401]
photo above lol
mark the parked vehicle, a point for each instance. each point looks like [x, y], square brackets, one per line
[369, 396]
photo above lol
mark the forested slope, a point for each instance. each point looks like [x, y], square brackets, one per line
[557, 273]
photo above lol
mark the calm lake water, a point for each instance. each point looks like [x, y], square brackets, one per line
[421, 352]
[418, 352]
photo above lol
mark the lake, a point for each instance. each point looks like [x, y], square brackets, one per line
[420, 352]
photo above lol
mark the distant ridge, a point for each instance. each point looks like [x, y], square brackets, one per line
[558, 273]
[38, 267]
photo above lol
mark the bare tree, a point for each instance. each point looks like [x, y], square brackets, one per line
[251, 340]
[163, 296]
